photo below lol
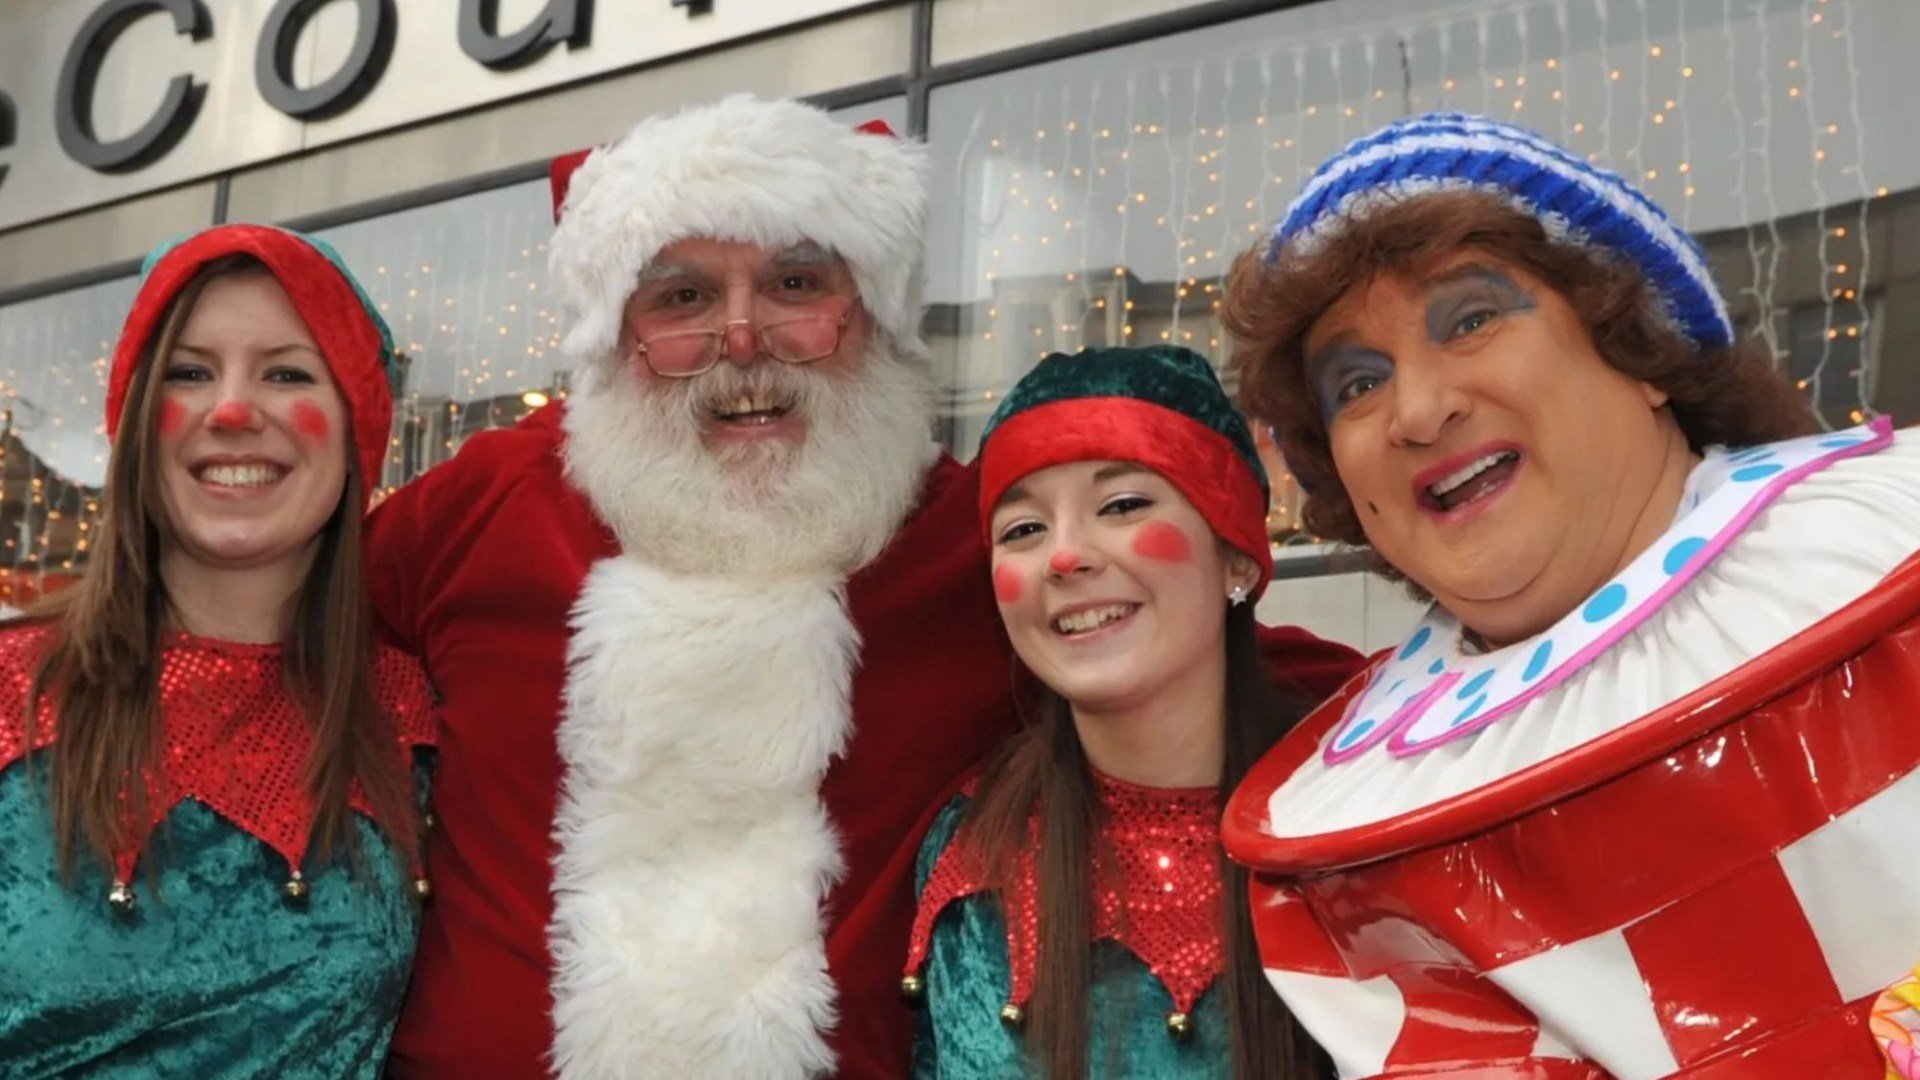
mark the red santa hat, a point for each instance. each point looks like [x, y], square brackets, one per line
[772, 173]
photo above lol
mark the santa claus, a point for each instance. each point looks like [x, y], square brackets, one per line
[713, 638]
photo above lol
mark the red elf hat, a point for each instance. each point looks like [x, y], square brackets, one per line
[1160, 407]
[353, 339]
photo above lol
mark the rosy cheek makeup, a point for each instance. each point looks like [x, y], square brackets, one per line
[1163, 541]
[1008, 584]
[173, 416]
[311, 421]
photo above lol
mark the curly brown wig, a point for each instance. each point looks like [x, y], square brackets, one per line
[1732, 396]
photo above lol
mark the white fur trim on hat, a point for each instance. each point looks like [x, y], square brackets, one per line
[771, 173]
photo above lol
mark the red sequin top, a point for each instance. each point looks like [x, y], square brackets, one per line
[1156, 889]
[232, 738]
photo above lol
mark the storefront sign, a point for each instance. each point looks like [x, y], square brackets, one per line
[101, 99]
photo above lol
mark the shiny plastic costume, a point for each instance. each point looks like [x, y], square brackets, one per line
[206, 964]
[1692, 855]
[1156, 1009]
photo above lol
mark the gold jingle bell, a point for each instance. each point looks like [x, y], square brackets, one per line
[422, 889]
[120, 898]
[1180, 1026]
[296, 888]
[1012, 1015]
[912, 989]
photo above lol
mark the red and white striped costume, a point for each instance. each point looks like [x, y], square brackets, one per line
[1715, 881]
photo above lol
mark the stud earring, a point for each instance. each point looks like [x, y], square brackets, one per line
[1238, 596]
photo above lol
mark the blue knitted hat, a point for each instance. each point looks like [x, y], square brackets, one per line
[1577, 203]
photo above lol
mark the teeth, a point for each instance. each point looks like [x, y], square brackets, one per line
[744, 404]
[240, 475]
[1468, 472]
[1091, 619]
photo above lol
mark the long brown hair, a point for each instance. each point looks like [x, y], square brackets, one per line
[1733, 396]
[99, 683]
[1043, 773]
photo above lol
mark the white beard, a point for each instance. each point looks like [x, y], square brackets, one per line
[709, 687]
[756, 510]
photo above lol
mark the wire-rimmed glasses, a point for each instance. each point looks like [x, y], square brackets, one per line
[684, 354]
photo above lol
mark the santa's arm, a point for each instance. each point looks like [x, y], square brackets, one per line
[1304, 664]
[395, 545]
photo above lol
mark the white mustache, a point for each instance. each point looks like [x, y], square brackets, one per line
[767, 381]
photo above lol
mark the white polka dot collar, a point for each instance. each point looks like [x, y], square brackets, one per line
[1432, 692]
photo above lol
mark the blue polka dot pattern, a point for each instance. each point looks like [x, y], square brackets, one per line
[1538, 663]
[1356, 733]
[1436, 667]
[1755, 472]
[1678, 554]
[1467, 713]
[1474, 684]
[1605, 603]
[1840, 443]
[1416, 642]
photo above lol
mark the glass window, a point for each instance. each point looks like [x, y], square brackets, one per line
[54, 353]
[1101, 199]
[463, 285]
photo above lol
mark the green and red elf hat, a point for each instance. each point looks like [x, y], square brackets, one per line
[1162, 408]
[353, 338]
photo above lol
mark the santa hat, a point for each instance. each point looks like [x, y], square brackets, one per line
[353, 338]
[1576, 202]
[1161, 407]
[772, 173]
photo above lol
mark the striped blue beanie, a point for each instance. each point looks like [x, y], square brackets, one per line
[1577, 203]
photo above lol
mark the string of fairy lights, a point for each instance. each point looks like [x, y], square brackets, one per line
[1105, 207]
[1164, 170]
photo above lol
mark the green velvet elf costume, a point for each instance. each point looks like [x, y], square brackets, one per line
[212, 946]
[1157, 1005]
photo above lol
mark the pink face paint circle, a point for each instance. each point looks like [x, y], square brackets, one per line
[1008, 585]
[232, 414]
[1063, 561]
[311, 421]
[1163, 541]
[173, 416]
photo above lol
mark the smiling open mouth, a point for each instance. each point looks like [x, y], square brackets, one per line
[1086, 622]
[1471, 482]
[250, 475]
[751, 409]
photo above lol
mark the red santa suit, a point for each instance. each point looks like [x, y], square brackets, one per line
[677, 815]
[1672, 835]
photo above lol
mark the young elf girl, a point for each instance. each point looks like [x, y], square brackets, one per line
[207, 792]
[1077, 917]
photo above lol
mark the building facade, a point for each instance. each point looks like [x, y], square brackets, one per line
[1097, 167]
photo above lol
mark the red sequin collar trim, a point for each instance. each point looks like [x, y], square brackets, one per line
[1157, 889]
[233, 739]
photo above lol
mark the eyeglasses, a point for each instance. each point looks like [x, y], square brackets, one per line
[683, 354]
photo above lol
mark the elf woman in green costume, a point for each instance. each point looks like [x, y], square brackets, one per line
[1077, 917]
[206, 786]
